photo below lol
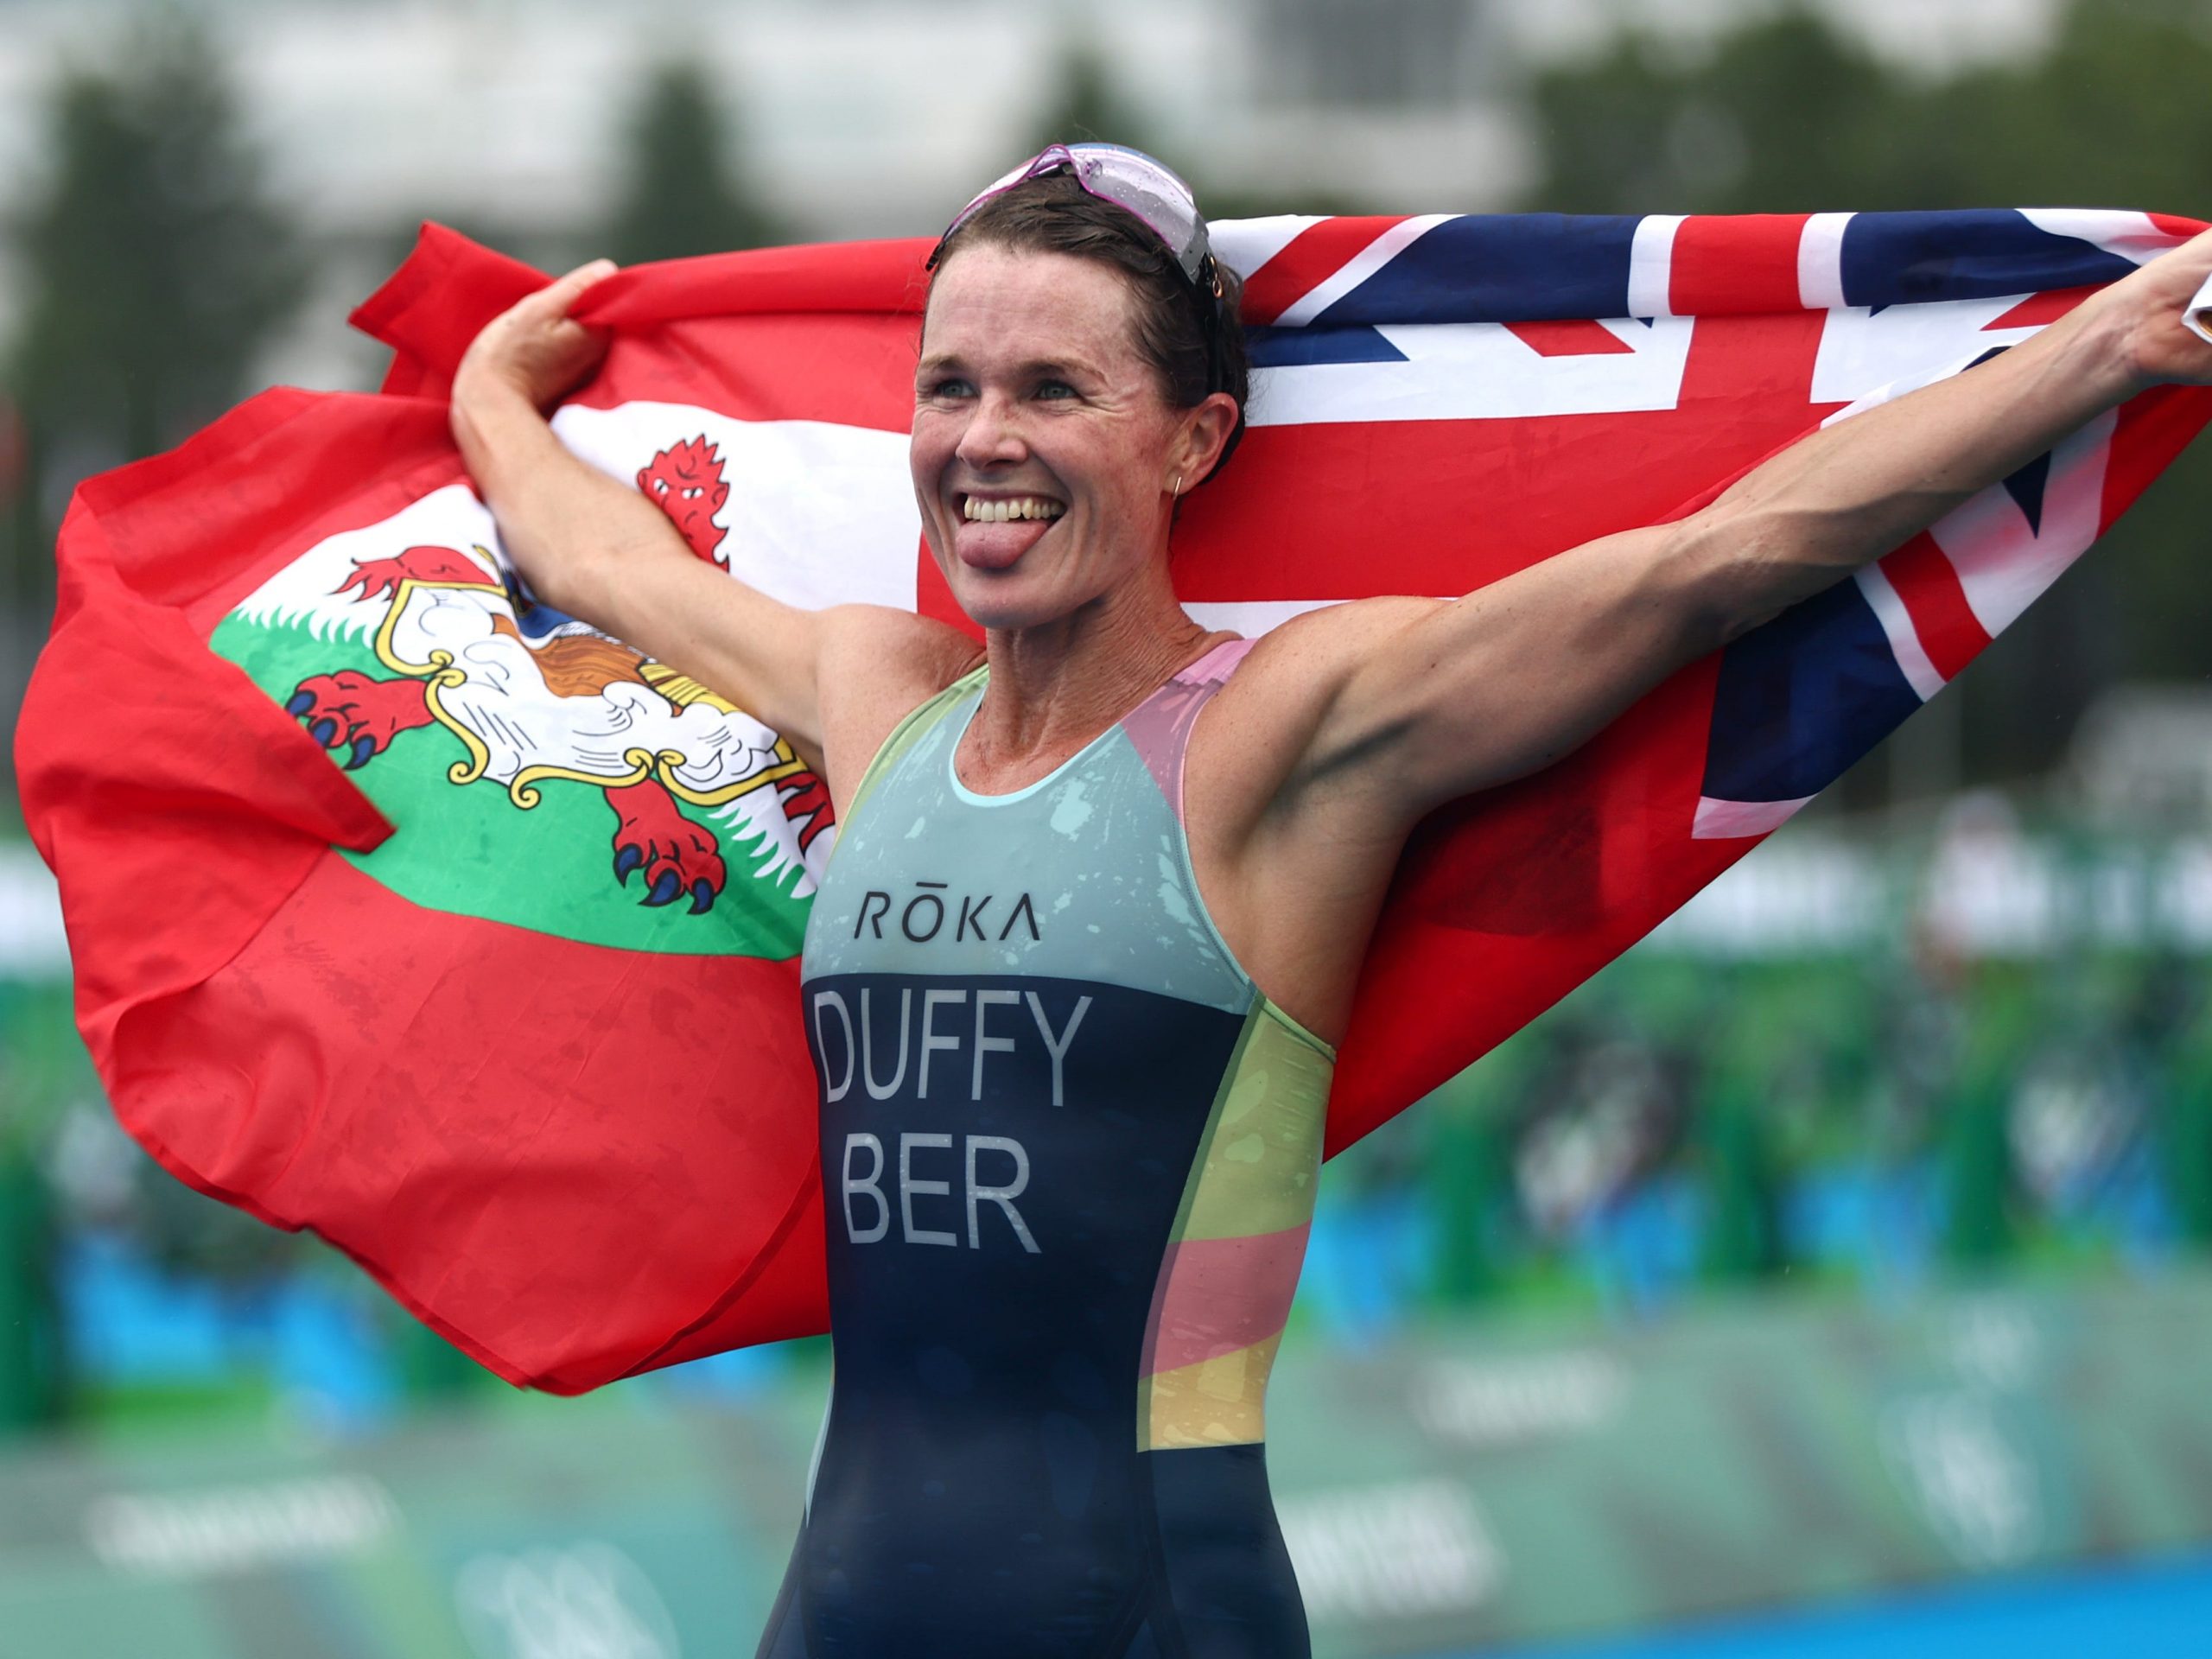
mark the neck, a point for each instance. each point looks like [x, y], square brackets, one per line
[1055, 686]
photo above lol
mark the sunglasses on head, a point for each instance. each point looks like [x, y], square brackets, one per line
[1130, 180]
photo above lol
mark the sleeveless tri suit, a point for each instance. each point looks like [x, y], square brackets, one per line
[1069, 1155]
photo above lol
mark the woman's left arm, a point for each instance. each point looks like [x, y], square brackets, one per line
[1439, 699]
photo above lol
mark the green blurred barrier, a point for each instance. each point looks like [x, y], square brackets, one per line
[1490, 1487]
[586, 1531]
[30, 1369]
[1481, 1484]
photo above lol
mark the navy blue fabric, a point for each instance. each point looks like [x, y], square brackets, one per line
[1231, 1592]
[1219, 1585]
[1499, 268]
[2026, 488]
[1533, 267]
[1980, 254]
[980, 1487]
[1285, 348]
[1803, 698]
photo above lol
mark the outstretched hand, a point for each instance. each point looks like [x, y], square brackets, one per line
[2159, 346]
[534, 347]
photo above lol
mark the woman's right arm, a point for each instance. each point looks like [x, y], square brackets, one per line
[590, 545]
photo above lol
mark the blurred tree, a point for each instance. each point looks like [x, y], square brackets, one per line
[155, 264]
[1786, 114]
[679, 193]
[1087, 108]
[1646, 129]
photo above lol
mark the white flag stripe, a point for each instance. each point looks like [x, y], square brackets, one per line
[1651, 265]
[1251, 617]
[1897, 623]
[1245, 244]
[1864, 352]
[796, 487]
[1361, 266]
[2001, 567]
[312, 591]
[1819, 262]
[1479, 371]
[1719, 820]
[2132, 236]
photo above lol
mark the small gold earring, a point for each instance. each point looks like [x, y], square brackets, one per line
[1176, 489]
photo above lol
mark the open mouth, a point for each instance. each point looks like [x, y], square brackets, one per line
[994, 531]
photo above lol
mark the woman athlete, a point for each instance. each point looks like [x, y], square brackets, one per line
[1103, 887]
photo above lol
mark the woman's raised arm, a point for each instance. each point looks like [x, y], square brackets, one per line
[1435, 700]
[590, 545]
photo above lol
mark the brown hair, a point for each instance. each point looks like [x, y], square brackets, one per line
[1192, 338]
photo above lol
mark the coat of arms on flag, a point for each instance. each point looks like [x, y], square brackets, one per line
[413, 625]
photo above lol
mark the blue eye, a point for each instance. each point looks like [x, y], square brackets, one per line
[1055, 389]
[951, 386]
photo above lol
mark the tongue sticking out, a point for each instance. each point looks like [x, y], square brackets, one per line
[989, 544]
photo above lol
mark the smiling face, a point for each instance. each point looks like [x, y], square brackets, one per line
[1043, 444]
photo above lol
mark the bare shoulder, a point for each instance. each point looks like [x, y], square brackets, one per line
[877, 663]
[1262, 737]
[1284, 690]
[1294, 851]
[1318, 647]
[900, 643]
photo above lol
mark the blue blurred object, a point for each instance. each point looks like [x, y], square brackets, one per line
[1641, 1252]
[738, 1374]
[1366, 1262]
[316, 1342]
[1884, 1220]
[129, 1321]
[2160, 1610]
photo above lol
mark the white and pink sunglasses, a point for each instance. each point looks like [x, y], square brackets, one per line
[1129, 179]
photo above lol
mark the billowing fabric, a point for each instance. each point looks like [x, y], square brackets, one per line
[1071, 1154]
[405, 909]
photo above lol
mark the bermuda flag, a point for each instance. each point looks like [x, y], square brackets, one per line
[409, 910]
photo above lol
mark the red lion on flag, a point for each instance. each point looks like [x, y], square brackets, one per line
[685, 481]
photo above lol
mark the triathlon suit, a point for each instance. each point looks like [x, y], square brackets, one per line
[1069, 1153]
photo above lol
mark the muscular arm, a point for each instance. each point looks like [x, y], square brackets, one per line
[1431, 700]
[591, 546]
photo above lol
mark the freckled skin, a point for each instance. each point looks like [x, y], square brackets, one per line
[1031, 384]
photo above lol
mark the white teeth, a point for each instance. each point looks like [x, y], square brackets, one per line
[998, 512]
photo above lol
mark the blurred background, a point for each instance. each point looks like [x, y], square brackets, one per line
[1835, 1269]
